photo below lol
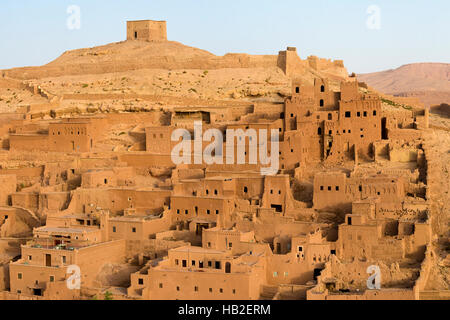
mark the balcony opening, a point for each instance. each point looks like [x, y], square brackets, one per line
[317, 272]
[37, 292]
[277, 207]
[384, 132]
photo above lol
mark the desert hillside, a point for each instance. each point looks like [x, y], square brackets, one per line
[167, 55]
[139, 69]
[430, 82]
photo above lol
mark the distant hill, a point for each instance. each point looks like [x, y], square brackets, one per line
[166, 55]
[429, 82]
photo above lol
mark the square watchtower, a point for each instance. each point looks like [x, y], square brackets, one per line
[147, 30]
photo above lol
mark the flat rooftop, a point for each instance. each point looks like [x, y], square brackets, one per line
[66, 230]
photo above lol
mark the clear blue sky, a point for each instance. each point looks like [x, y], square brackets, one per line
[34, 32]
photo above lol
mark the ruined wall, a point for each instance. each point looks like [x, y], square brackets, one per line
[28, 142]
[8, 185]
[92, 258]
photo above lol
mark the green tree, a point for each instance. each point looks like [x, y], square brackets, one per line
[108, 295]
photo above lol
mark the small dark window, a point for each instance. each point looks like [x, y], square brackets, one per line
[321, 102]
[329, 188]
[374, 112]
[321, 188]
[245, 190]
[160, 285]
[133, 229]
[319, 131]
[337, 188]
[358, 114]
[297, 89]
[141, 281]
[365, 113]
[322, 88]
[348, 114]
[217, 211]
[135, 34]
[114, 229]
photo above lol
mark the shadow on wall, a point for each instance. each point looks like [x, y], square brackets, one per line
[443, 110]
